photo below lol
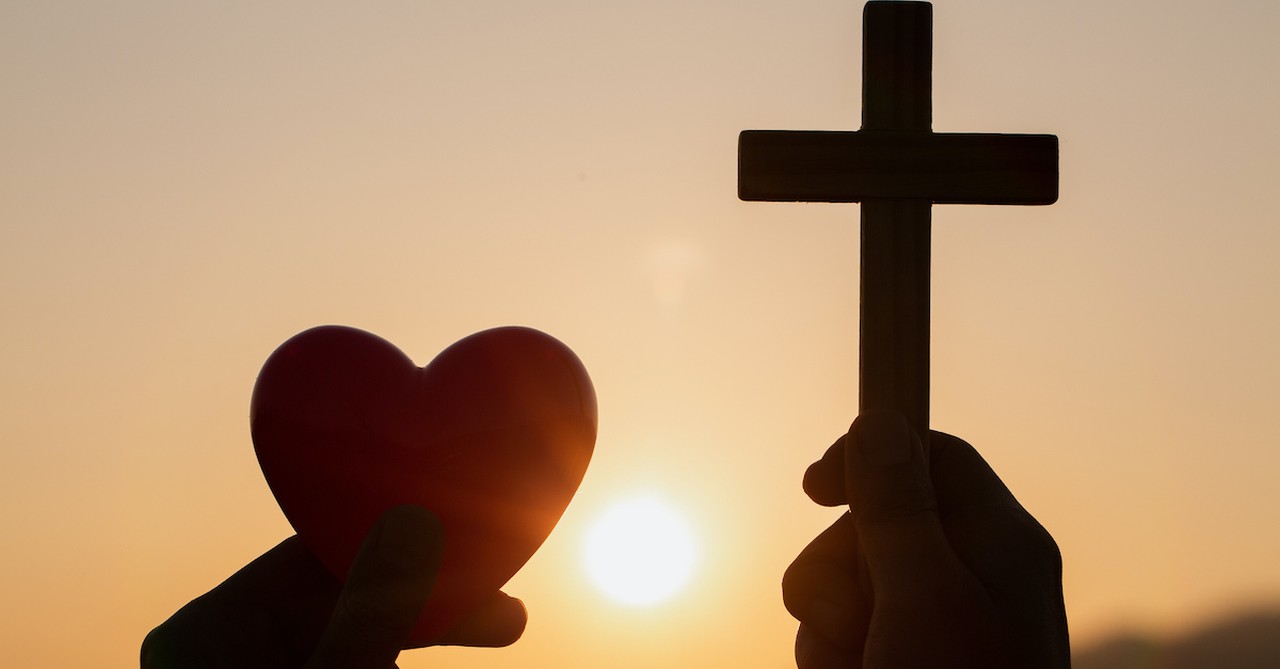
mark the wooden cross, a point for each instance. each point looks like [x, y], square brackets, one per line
[897, 167]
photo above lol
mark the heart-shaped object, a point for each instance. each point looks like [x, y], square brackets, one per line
[493, 436]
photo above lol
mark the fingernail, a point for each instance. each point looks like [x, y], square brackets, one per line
[884, 439]
[407, 537]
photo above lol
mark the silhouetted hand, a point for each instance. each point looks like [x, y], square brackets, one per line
[284, 610]
[935, 565]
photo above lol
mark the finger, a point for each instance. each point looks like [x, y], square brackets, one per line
[824, 597]
[826, 587]
[893, 504]
[990, 531]
[285, 593]
[960, 476]
[813, 651]
[962, 479]
[824, 479]
[278, 579]
[387, 587]
[1005, 548]
[836, 547]
[498, 622]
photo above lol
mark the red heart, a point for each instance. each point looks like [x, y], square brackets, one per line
[493, 436]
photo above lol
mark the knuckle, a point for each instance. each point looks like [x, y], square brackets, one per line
[908, 504]
[795, 589]
[1033, 546]
[173, 643]
[153, 647]
[1044, 546]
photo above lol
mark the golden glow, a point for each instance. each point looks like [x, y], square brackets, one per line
[183, 186]
[640, 551]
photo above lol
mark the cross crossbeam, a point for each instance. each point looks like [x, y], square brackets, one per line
[953, 168]
[897, 167]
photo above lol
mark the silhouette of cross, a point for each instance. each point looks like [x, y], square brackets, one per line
[897, 167]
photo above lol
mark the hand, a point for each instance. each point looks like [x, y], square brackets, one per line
[284, 610]
[935, 564]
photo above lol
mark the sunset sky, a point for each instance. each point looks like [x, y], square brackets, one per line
[185, 185]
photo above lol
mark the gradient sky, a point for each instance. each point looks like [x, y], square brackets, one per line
[185, 185]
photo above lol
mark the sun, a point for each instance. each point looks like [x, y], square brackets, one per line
[640, 551]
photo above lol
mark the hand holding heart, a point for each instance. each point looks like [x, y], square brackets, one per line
[284, 609]
[425, 489]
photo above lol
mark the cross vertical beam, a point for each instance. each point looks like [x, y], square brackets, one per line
[897, 95]
[898, 168]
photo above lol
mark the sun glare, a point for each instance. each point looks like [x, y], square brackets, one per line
[640, 551]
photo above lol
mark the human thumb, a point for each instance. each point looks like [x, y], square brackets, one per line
[892, 501]
[386, 589]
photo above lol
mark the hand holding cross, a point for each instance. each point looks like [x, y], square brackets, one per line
[935, 563]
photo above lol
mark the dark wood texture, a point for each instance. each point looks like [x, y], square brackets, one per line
[897, 96]
[953, 168]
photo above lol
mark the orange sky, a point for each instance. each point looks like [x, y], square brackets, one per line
[185, 185]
